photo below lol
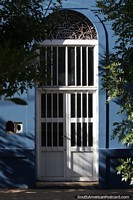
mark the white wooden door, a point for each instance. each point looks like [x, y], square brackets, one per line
[52, 155]
[82, 137]
[67, 113]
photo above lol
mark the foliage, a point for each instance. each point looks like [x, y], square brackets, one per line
[17, 101]
[117, 76]
[22, 25]
[124, 169]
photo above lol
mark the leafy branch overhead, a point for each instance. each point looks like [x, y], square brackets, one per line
[22, 26]
[117, 76]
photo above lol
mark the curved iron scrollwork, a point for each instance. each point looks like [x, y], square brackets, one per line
[73, 25]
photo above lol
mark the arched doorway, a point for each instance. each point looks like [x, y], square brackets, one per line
[67, 106]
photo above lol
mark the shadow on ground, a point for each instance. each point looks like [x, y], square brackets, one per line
[64, 194]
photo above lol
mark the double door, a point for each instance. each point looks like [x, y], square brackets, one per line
[67, 135]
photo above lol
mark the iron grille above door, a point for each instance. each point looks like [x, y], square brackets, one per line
[68, 65]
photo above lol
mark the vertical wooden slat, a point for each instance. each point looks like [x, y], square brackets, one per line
[76, 118]
[87, 66]
[57, 57]
[46, 120]
[75, 66]
[81, 60]
[66, 66]
[52, 119]
[52, 66]
[81, 103]
[57, 119]
[46, 62]
[87, 107]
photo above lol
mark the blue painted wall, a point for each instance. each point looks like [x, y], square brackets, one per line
[17, 151]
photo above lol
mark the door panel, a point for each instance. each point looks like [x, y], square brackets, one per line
[52, 136]
[81, 119]
[52, 165]
[82, 135]
[82, 165]
[52, 119]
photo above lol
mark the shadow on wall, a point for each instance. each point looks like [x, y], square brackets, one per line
[2, 126]
[17, 160]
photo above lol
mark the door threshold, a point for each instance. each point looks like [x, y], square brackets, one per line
[67, 185]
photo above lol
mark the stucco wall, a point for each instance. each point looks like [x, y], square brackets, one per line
[17, 150]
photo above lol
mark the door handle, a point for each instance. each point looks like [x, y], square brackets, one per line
[66, 137]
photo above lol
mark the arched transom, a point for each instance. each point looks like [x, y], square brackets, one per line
[73, 25]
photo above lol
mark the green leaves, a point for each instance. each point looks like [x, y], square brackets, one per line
[117, 74]
[121, 14]
[17, 101]
[112, 79]
[22, 25]
[124, 131]
[125, 169]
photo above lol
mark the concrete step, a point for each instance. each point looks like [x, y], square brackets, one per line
[67, 185]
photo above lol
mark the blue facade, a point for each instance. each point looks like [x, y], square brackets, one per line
[18, 151]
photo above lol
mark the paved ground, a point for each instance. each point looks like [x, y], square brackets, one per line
[63, 194]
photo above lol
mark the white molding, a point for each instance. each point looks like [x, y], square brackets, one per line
[90, 43]
[90, 89]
